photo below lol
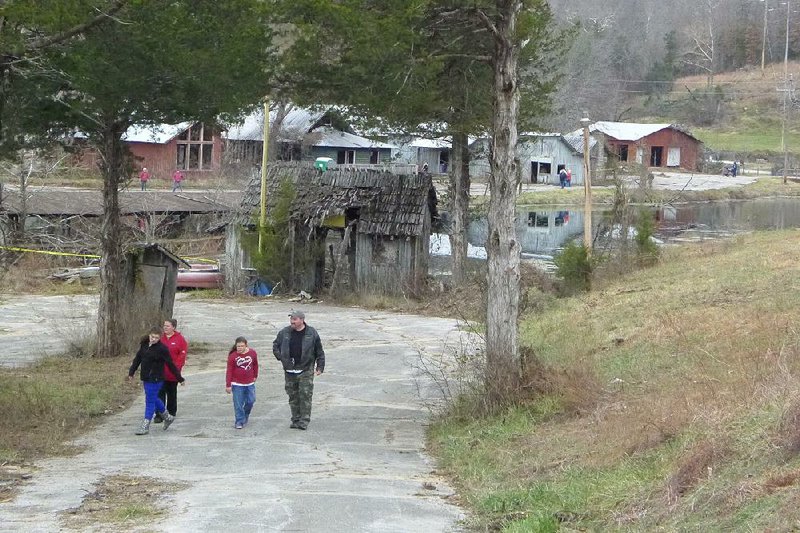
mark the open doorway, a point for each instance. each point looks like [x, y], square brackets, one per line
[444, 160]
[534, 172]
[656, 156]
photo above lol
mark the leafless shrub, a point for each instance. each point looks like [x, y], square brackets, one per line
[76, 329]
[576, 387]
[453, 376]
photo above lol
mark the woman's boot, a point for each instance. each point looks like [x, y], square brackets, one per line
[144, 429]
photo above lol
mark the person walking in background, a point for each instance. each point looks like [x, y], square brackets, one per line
[177, 178]
[299, 349]
[569, 177]
[144, 177]
[240, 380]
[562, 177]
[177, 346]
[152, 356]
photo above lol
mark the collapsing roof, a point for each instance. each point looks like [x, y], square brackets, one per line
[387, 204]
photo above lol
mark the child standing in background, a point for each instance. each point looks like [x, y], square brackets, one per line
[240, 380]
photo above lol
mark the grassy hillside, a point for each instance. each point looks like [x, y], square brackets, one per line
[749, 119]
[673, 403]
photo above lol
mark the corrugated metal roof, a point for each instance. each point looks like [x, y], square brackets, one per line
[430, 143]
[84, 202]
[295, 125]
[155, 134]
[575, 140]
[625, 131]
[333, 138]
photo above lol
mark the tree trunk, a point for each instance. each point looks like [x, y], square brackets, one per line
[110, 323]
[459, 205]
[503, 248]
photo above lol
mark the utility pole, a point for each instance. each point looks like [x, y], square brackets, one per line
[764, 37]
[262, 220]
[785, 95]
[587, 189]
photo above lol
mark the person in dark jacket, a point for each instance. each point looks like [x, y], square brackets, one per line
[152, 356]
[299, 349]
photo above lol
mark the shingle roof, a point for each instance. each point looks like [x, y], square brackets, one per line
[388, 204]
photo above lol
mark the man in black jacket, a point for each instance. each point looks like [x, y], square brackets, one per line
[299, 348]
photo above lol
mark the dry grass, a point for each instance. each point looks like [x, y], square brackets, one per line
[120, 502]
[698, 463]
[28, 273]
[685, 374]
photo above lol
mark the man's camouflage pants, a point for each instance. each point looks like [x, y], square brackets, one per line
[300, 388]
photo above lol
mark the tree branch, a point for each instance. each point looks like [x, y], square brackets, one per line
[77, 30]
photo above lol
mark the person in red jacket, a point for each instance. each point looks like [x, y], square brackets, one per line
[240, 380]
[177, 346]
[144, 177]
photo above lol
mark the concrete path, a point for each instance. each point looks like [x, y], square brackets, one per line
[360, 465]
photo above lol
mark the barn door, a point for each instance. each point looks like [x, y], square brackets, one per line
[674, 157]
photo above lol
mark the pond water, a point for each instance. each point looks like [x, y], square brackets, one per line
[544, 230]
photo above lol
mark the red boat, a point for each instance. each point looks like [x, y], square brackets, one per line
[200, 276]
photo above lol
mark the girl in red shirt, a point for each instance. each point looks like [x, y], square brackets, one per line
[240, 380]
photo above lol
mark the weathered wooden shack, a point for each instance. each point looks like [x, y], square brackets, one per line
[376, 227]
[149, 286]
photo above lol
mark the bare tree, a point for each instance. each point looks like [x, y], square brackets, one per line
[503, 248]
[704, 41]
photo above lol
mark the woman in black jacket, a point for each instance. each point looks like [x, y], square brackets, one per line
[152, 356]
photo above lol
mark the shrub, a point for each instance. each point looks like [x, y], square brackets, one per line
[647, 251]
[574, 268]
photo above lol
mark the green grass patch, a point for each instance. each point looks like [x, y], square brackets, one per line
[759, 138]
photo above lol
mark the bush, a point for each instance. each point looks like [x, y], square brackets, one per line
[574, 268]
[278, 260]
[647, 251]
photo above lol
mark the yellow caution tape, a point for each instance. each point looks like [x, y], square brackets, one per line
[91, 256]
[48, 252]
[201, 260]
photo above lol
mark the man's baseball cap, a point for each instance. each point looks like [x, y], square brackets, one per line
[298, 314]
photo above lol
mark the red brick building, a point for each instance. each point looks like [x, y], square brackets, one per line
[653, 145]
[190, 146]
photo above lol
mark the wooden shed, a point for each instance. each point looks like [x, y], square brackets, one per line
[150, 282]
[372, 227]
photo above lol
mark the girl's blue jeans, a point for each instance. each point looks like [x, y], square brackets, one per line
[244, 396]
[152, 403]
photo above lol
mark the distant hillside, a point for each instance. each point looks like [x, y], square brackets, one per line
[741, 114]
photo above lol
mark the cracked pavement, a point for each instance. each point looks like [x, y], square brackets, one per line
[359, 467]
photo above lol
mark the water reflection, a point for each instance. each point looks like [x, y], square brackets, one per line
[542, 232]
